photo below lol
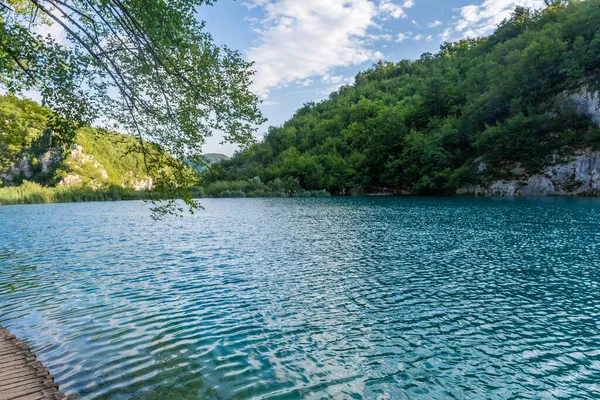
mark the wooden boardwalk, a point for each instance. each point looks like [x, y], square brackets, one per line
[22, 376]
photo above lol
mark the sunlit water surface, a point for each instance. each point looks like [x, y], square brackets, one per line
[309, 298]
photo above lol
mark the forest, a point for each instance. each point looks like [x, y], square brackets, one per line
[38, 165]
[423, 126]
[420, 127]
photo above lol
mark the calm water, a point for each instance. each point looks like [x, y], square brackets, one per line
[309, 298]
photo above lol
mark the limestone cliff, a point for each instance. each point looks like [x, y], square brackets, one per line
[83, 170]
[578, 175]
[73, 168]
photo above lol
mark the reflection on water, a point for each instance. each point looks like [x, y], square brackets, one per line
[309, 298]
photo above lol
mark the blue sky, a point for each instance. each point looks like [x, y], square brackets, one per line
[305, 49]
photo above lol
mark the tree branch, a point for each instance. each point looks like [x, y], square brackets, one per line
[23, 67]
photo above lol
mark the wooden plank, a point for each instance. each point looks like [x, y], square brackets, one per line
[35, 383]
[18, 362]
[15, 355]
[36, 396]
[22, 376]
[19, 392]
[35, 367]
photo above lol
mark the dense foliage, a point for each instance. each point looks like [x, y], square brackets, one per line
[28, 152]
[23, 124]
[144, 67]
[422, 126]
[36, 169]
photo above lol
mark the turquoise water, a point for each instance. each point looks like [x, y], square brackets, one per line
[309, 298]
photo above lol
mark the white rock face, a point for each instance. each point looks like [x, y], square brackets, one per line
[22, 167]
[48, 159]
[130, 180]
[70, 181]
[78, 165]
[587, 102]
[76, 161]
[578, 177]
[79, 156]
[144, 184]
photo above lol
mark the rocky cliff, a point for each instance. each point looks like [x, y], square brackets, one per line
[83, 170]
[578, 175]
[73, 168]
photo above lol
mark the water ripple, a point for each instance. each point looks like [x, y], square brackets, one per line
[309, 298]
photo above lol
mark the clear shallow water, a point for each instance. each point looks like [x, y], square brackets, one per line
[309, 298]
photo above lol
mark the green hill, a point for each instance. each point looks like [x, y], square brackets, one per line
[94, 163]
[209, 159]
[215, 157]
[480, 112]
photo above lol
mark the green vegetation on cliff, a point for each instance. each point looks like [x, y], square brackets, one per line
[37, 166]
[150, 67]
[423, 126]
[31, 151]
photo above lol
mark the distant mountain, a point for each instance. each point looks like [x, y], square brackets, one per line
[215, 157]
[211, 158]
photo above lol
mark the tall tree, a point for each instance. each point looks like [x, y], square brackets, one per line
[147, 67]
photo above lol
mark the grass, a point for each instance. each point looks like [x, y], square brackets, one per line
[33, 193]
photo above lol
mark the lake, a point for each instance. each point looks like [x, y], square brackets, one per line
[309, 298]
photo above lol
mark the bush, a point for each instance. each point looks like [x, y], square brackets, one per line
[315, 193]
[197, 192]
[34, 193]
[233, 194]
[27, 193]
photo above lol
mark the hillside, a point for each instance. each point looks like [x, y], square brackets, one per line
[209, 159]
[215, 157]
[513, 113]
[95, 160]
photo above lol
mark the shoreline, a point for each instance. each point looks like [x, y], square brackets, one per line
[365, 195]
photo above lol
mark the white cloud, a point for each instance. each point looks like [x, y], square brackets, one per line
[429, 38]
[418, 37]
[480, 20]
[335, 82]
[302, 39]
[444, 36]
[401, 37]
[305, 83]
[434, 24]
[392, 9]
[335, 79]
[255, 3]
